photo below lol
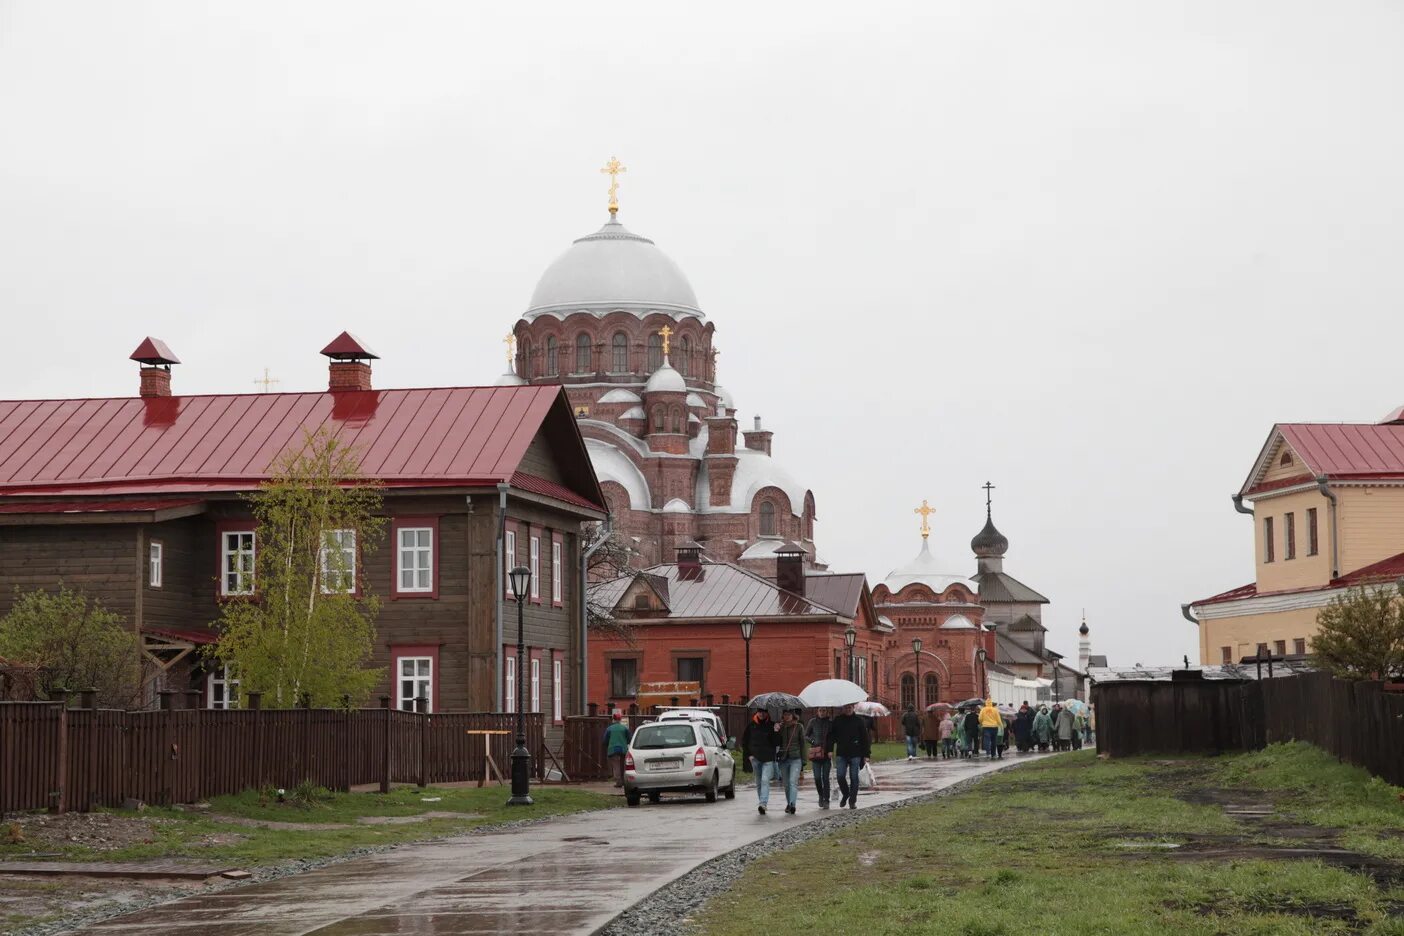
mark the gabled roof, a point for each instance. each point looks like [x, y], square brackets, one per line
[1002, 587]
[1386, 570]
[723, 591]
[453, 436]
[1026, 624]
[1009, 651]
[842, 591]
[1339, 451]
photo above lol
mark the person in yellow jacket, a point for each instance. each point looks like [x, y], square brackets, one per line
[990, 721]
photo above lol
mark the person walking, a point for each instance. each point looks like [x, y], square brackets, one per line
[850, 744]
[990, 720]
[971, 728]
[816, 735]
[1023, 728]
[931, 733]
[1042, 728]
[1066, 728]
[911, 727]
[758, 743]
[1002, 740]
[616, 743]
[789, 757]
[948, 739]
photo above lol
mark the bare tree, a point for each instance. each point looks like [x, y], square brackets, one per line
[611, 559]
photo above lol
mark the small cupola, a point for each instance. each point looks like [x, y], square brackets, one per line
[350, 363]
[156, 360]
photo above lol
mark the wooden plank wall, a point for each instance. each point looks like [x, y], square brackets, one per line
[52, 757]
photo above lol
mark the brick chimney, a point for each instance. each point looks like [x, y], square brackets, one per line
[350, 363]
[690, 563]
[758, 439]
[789, 568]
[156, 360]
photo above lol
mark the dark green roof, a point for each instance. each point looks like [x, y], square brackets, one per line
[999, 587]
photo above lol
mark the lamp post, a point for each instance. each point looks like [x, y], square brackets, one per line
[521, 757]
[916, 690]
[850, 637]
[748, 630]
[980, 655]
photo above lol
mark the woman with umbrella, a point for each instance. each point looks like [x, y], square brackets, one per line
[824, 696]
[762, 736]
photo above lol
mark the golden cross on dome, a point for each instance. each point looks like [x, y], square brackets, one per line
[612, 169]
[266, 381]
[510, 341]
[926, 510]
[667, 332]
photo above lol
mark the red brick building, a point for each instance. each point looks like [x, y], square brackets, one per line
[139, 501]
[685, 620]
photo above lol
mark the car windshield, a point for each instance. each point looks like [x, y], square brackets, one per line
[653, 737]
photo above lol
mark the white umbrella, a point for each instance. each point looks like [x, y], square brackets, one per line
[832, 693]
[876, 709]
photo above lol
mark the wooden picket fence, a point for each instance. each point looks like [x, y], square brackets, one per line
[61, 758]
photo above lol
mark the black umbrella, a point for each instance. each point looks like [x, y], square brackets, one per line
[776, 703]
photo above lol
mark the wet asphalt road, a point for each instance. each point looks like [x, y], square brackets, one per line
[569, 875]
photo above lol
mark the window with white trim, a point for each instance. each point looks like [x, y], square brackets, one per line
[416, 678]
[556, 573]
[509, 558]
[223, 689]
[338, 561]
[535, 568]
[509, 682]
[237, 562]
[535, 686]
[154, 570]
[415, 565]
[557, 689]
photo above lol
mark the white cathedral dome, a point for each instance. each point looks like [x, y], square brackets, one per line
[665, 379]
[924, 569]
[612, 269]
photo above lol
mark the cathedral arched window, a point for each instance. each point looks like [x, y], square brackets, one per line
[582, 353]
[931, 689]
[908, 690]
[655, 352]
[621, 353]
[552, 357]
[524, 368]
[684, 354]
[660, 413]
[767, 518]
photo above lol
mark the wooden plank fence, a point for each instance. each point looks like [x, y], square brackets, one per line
[59, 758]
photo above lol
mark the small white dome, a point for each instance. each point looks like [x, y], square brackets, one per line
[677, 505]
[509, 379]
[693, 420]
[695, 400]
[958, 622]
[924, 569]
[665, 380]
[633, 412]
[724, 396]
[620, 395]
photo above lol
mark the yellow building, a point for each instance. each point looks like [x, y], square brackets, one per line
[1328, 514]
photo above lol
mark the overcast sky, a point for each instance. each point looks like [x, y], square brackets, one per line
[1088, 251]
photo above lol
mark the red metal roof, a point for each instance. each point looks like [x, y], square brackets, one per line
[1347, 449]
[1386, 570]
[347, 345]
[192, 636]
[154, 351]
[405, 438]
[138, 505]
[529, 482]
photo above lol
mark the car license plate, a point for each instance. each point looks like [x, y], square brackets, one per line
[664, 764]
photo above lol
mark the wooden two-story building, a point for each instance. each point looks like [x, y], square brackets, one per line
[141, 502]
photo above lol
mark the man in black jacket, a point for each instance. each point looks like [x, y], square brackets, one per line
[758, 744]
[850, 745]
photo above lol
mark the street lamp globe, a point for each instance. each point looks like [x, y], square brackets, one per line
[980, 654]
[748, 628]
[521, 581]
[850, 637]
[916, 644]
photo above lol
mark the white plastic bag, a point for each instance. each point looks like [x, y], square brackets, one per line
[866, 780]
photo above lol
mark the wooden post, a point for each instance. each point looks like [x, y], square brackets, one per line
[88, 796]
[58, 798]
[726, 699]
[421, 705]
[594, 708]
[193, 698]
[255, 705]
[385, 764]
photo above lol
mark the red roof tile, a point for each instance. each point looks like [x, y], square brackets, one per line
[154, 351]
[529, 482]
[348, 346]
[1348, 449]
[405, 438]
[93, 506]
[1386, 570]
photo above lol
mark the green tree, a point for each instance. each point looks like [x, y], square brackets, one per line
[310, 627]
[1361, 633]
[73, 643]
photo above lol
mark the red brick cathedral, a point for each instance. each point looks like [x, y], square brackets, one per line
[616, 322]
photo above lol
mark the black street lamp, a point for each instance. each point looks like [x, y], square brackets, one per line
[521, 757]
[916, 690]
[850, 637]
[980, 655]
[748, 630]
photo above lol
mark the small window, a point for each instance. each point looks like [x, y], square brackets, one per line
[767, 518]
[509, 682]
[557, 574]
[1289, 531]
[621, 353]
[931, 691]
[1311, 531]
[535, 566]
[660, 416]
[690, 669]
[1286, 458]
[416, 678]
[641, 602]
[582, 354]
[623, 677]
[415, 565]
[524, 354]
[1299, 646]
[552, 357]
[557, 688]
[338, 561]
[1226, 654]
[908, 690]
[1279, 647]
[154, 570]
[237, 565]
[684, 355]
[655, 352]
[677, 421]
[535, 686]
[1268, 548]
[509, 558]
[1262, 650]
[223, 689]
[838, 664]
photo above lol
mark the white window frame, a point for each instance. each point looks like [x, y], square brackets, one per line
[535, 568]
[423, 682]
[509, 557]
[535, 685]
[557, 592]
[509, 682]
[243, 573]
[421, 560]
[155, 553]
[229, 685]
[337, 539]
[557, 689]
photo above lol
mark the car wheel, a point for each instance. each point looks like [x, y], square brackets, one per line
[711, 793]
[631, 798]
[730, 791]
[655, 797]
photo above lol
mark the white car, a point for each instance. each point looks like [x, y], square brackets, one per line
[677, 755]
[706, 716]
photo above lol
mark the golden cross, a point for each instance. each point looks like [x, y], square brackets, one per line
[510, 341]
[267, 381]
[612, 169]
[667, 332]
[925, 510]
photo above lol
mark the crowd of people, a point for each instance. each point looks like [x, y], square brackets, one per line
[973, 729]
[836, 746]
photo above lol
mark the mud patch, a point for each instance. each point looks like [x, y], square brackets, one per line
[100, 831]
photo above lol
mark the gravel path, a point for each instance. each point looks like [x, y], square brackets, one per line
[669, 911]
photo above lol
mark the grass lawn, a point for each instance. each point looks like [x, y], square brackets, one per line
[1073, 845]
